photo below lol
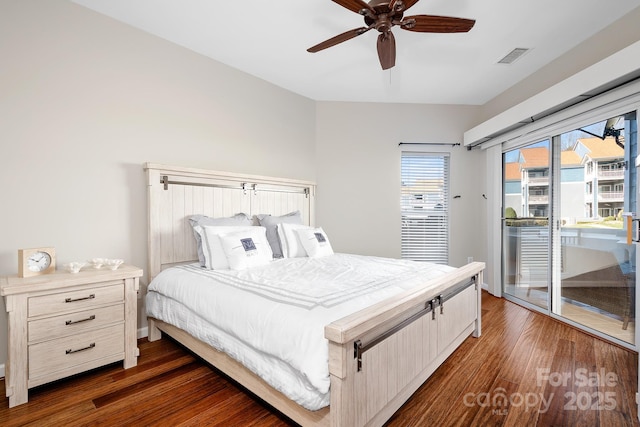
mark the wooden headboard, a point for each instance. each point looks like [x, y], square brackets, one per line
[175, 193]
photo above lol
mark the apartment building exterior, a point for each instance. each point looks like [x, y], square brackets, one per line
[604, 169]
[592, 178]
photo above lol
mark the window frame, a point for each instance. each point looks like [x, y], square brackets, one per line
[429, 226]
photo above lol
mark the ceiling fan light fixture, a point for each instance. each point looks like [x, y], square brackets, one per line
[512, 56]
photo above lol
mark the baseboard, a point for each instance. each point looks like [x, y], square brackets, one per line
[143, 332]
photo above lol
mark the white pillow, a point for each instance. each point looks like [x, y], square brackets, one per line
[246, 249]
[289, 240]
[214, 256]
[240, 219]
[315, 242]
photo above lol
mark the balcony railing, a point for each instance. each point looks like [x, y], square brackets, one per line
[534, 198]
[539, 180]
[610, 173]
[611, 196]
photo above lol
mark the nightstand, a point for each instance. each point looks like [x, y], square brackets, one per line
[61, 324]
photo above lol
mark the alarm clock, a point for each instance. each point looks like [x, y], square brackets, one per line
[35, 261]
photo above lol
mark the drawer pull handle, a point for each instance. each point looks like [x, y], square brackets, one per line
[73, 322]
[92, 296]
[89, 347]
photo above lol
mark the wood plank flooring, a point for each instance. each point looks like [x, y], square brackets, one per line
[525, 370]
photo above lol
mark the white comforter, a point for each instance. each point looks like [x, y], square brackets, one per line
[272, 318]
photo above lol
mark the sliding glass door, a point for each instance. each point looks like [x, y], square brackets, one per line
[526, 243]
[568, 204]
[597, 191]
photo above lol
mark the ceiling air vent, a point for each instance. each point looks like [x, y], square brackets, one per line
[511, 57]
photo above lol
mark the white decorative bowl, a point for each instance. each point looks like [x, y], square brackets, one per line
[113, 263]
[74, 267]
[98, 262]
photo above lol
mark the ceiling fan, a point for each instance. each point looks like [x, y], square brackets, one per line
[383, 15]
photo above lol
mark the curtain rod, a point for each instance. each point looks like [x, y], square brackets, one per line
[453, 144]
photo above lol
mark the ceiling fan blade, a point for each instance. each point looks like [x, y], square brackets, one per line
[347, 35]
[355, 5]
[387, 50]
[436, 24]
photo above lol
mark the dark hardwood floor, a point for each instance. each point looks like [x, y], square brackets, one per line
[545, 369]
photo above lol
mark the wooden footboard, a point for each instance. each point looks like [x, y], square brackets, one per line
[378, 357]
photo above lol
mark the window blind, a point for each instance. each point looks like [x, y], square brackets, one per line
[424, 207]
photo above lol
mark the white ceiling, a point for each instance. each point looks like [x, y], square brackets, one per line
[268, 39]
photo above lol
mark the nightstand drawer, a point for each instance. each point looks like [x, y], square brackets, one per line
[54, 359]
[74, 323]
[76, 300]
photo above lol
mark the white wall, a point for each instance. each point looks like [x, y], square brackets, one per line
[572, 206]
[358, 202]
[87, 100]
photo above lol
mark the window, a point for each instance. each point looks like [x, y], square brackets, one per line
[424, 207]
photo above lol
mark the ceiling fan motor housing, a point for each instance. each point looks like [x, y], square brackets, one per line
[385, 17]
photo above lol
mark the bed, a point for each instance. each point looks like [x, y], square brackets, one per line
[377, 351]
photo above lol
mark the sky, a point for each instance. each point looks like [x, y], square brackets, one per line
[567, 139]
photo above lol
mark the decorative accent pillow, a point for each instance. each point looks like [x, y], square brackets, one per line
[213, 253]
[247, 249]
[289, 240]
[315, 242]
[239, 219]
[270, 222]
